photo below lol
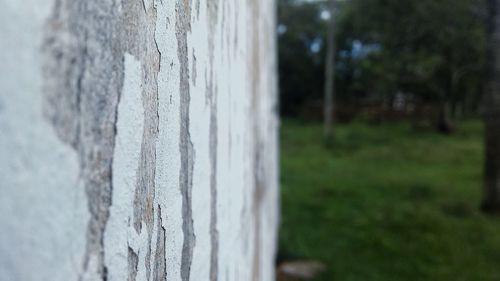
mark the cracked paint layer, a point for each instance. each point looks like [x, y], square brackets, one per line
[133, 261]
[182, 26]
[120, 235]
[139, 21]
[160, 272]
[83, 70]
[159, 135]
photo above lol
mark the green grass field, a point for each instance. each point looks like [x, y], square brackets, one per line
[387, 203]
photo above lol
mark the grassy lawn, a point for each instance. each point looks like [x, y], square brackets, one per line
[387, 203]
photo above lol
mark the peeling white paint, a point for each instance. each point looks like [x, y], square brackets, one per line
[233, 99]
[168, 194]
[129, 128]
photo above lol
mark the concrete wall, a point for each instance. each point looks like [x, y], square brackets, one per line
[138, 140]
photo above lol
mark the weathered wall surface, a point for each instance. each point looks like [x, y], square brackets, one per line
[138, 140]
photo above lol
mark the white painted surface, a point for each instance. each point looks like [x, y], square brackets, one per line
[43, 209]
[129, 128]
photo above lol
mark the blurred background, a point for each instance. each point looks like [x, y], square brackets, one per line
[388, 184]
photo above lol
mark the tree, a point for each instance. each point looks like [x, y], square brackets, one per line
[301, 66]
[330, 76]
[431, 51]
[139, 140]
[491, 195]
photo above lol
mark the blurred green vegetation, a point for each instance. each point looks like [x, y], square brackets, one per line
[414, 59]
[387, 202]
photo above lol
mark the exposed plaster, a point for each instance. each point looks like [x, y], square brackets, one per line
[208, 97]
[140, 27]
[133, 261]
[193, 69]
[83, 70]
[89, 57]
[182, 26]
[121, 238]
[160, 268]
[213, 11]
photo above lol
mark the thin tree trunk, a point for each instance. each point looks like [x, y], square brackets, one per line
[445, 125]
[491, 195]
[329, 129]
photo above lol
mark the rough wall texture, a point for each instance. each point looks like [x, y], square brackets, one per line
[138, 140]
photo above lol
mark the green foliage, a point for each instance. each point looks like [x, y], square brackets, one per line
[432, 51]
[387, 203]
[300, 69]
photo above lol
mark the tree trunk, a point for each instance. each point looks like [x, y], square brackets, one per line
[330, 77]
[491, 195]
[445, 125]
[444, 122]
[139, 140]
